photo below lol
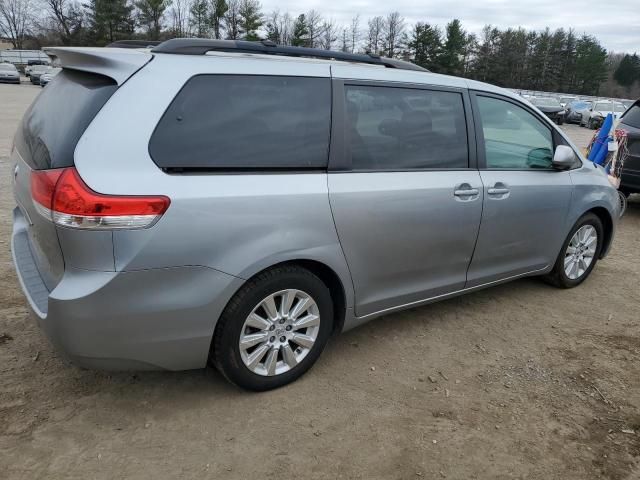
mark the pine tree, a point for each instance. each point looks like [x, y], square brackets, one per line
[109, 20]
[150, 13]
[300, 35]
[250, 19]
[451, 60]
[628, 71]
[217, 9]
[425, 45]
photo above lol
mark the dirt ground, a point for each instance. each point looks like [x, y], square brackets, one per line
[518, 381]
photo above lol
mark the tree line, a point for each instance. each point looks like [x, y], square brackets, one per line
[560, 60]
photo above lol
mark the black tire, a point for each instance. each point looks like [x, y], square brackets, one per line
[225, 350]
[557, 277]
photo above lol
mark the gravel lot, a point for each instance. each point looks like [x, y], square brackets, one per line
[517, 381]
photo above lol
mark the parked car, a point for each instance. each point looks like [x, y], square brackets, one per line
[594, 117]
[30, 64]
[551, 108]
[566, 99]
[576, 109]
[36, 71]
[255, 203]
[46, 77]
[630, 178]
[9, 73]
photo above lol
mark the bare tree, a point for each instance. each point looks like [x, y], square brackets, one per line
[179, 15]
[329, 35]
[15, 19]
[66, 19]
[375, 34]
[393, 33]
[354, 32]
[314, 23]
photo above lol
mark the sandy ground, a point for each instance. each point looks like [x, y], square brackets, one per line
[518, 381]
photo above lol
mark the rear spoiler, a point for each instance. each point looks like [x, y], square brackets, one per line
[116, 63]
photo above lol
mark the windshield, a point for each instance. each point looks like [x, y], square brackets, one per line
[579, 105]
[546, 102]
[7, 68]
[609, 107]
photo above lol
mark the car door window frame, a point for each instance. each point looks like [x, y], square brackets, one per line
[340, 145]
[481, 153]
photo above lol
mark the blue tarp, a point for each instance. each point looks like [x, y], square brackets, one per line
[600, 147]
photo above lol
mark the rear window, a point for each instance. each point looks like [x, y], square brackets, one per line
[245, 122]
[632, 116]
[59, 116]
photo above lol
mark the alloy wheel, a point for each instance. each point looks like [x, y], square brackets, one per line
[580, 252]
[279, 332]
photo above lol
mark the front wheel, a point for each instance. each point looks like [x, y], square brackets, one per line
[273, 329]
[579, 253]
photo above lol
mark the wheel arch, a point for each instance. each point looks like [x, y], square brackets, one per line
[607, 224]
[338, 288]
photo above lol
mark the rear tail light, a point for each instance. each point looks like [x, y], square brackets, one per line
[62, 196]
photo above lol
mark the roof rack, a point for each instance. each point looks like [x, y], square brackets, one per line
[133, 44]
[200, 46]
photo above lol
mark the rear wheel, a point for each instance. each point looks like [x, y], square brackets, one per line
[273, 329]
[579, 253]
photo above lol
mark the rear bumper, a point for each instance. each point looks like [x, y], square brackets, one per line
[146, 319]
[10, 80]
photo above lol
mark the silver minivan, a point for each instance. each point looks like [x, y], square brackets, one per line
[240, 202]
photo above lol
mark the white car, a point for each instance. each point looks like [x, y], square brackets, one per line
[46, 77]
[9, 73]
[594, 117]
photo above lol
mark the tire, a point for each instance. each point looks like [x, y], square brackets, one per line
[231, 360]
[558, 276]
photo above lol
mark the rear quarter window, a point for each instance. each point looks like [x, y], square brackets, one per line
[245, 122]
[58, 117]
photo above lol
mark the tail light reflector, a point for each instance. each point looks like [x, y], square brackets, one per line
[62, 196]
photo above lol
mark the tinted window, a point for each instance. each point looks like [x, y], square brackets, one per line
[632, 116]
[234, 121]
[402, 128]
[513, 137]
[59, 116]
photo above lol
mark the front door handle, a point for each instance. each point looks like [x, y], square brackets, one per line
[497, 191]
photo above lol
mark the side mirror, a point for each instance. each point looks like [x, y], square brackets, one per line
[563, 158]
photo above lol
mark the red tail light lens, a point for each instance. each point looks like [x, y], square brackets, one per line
[63, 196]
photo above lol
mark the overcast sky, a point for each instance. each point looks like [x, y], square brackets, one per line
[615, 24]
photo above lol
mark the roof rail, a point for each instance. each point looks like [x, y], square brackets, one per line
[200, 46]
[134, 44]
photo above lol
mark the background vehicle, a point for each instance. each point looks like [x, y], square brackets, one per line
[9, 73]
[48, 75]
[566, 99]
[630, 121]
[594, 117]
[30, 64]
[576, 109]
[551, 108]
[244, 197]
[36, 71]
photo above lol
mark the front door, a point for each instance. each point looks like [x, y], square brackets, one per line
[526, 200]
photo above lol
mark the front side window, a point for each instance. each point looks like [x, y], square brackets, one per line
[402, 128]
[513, 137]
[246, 122]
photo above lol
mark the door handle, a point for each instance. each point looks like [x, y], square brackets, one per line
[466, 192]
[497, 191]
